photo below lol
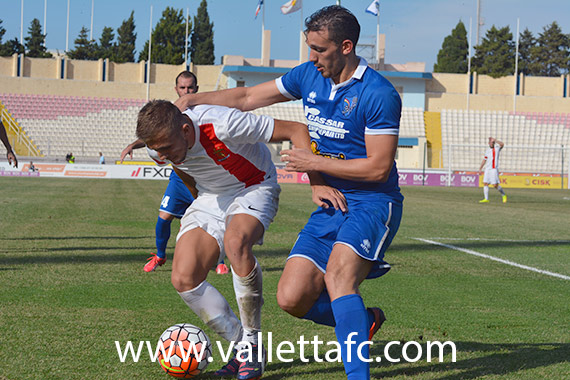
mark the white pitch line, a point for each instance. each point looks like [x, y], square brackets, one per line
[475, 253]
[505, 240]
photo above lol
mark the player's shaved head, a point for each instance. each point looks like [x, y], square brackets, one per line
[340, 22]
[186, 74]
[158, 118]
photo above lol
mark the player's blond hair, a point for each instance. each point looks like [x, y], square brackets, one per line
[158, 118]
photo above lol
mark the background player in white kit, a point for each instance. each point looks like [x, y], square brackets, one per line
[220, 151]
[491, 164]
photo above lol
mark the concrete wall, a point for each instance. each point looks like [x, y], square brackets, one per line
[536, 94]
[542, 86]
[41, 67]
[6, 64]
[85, 78]
[127, 80]
[125, 72]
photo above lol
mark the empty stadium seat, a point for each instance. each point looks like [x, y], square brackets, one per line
[534, 139]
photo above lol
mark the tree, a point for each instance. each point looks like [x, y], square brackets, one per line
[35, 42]
[202, 48]
[527, 61]
[552, 51]
[126, 39]
[85, 48]
[167, 39]
[495, 56]
[452, 57]
[106, 48]
[11, 46]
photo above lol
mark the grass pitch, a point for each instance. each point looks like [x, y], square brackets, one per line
[71, 280]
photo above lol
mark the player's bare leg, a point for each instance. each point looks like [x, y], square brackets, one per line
[300, 286]
[196, 252]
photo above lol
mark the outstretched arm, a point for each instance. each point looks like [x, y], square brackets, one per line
[9, 153]
[298, 134]
[242, 98]
[137, 144]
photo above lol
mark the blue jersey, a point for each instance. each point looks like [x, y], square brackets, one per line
[177, 197]
[340, 115]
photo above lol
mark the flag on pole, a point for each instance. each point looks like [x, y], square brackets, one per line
[373, 7]
[259, 5]
[291, 6]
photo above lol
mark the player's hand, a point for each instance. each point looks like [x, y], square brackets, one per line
[127, 151]
[324, 196]
[298, 160]
[12, 160]
[184, 102]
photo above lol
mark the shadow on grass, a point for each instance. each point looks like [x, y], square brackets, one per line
[103, 255]
[76, 238]
[491, 359]
[77, 259]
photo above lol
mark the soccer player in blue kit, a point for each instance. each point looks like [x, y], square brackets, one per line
[353, 116]
[177, 197]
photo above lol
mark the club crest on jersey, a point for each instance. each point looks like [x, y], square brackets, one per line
[311, 97]
[220, 154]
[348, 105]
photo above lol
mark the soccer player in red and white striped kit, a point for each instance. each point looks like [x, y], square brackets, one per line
[491, 164]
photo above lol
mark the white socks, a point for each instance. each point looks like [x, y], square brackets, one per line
[501, 190]
[249, 297]
[211, 306]
[486, 192]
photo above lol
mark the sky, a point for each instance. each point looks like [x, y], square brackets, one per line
[414, 29]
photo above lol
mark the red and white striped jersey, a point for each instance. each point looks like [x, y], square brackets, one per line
[229, 153]
[492, 157]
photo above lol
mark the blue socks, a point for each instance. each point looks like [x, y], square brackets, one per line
[162, 233]
[321, 312]
[351, 317]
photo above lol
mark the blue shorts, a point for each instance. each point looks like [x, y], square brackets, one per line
[176, 198]
[367, 228]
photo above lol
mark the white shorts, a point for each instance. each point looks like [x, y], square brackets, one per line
[491, 176]
[212, 212]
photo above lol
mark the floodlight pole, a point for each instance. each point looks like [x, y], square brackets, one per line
[186, 42]
[516, 69]
[378, 38]
[469, 66]
[45, 17]
[148, 63]
[22, 23]
[91, 30]
[67, 30]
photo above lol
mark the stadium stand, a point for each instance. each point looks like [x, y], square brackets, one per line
[82, 125]
[85, 126]
[534, 139]
[412, 122]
